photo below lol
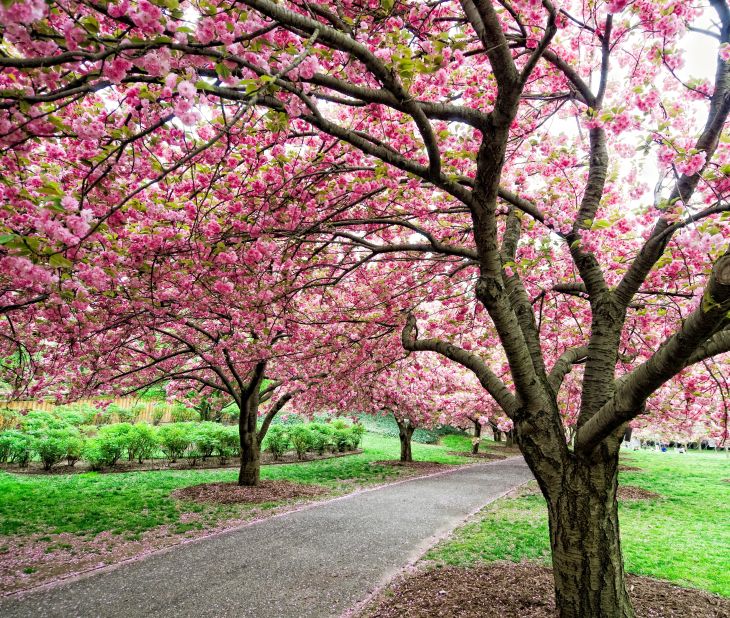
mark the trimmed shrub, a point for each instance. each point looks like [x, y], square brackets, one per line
[321, 437]
[10, 441]
[93, 454]
[207, 439]
[229, 442]
[36, 421]
[276, 441]
[300, 437]
[142, 441]
[357, 431]
[175, 439]
[113, 441]
[183, 414]
[74, 449]
[17, 447]
[52, 447]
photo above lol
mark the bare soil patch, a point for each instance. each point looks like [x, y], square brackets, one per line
[231, 493]
[631, 492]
[623, 468]
[525, 590]
[489, 456]
[210, 463]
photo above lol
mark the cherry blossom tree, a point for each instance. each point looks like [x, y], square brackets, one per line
[492, 155]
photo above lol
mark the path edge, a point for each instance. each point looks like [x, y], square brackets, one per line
[421, 550]
[100, 570]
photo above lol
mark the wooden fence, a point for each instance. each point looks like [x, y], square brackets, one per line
[145, 408]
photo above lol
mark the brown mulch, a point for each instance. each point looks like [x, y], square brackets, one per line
[631, 492]
[623, 468]
[230, 493]
[478, 455]
[420, 467]
[508, 590]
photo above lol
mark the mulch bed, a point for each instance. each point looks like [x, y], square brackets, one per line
[231, 493]
[422, 467]
[508, 590]
[35, 467]
[479, 455]
[623, 468]
[631, 492]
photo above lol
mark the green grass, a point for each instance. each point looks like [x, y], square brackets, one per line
[134, 502]
[683, 537]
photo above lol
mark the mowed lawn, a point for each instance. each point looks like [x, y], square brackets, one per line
[131, 503]
[683, 537]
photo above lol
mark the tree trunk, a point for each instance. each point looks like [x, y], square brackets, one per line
[250, 471]
[477, 437]
[496, 432]
[405, 432]
[583, 520]
[584, 537]
[509, 438]
[580, 491]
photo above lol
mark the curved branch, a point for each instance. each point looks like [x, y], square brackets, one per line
[564, 365]
[488, 379]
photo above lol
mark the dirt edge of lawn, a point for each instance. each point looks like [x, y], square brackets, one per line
[521, 590]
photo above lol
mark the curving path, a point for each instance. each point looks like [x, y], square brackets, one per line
[317, 562]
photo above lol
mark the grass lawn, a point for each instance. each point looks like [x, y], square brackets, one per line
[131, 503]
[682, 537]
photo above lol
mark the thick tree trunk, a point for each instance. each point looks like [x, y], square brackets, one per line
[405, 433]
[583, 520]
[477, 437]
[584, 537]
[250, 471]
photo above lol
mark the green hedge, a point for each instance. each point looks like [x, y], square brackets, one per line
[318, 437]
[52, 438]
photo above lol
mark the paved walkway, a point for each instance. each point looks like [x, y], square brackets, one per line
[315, 562]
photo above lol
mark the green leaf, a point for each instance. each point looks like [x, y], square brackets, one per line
[222, 70]
[58, 261]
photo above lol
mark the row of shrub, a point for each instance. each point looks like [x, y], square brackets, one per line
[336, 436]
[53, 441]
[106, 446]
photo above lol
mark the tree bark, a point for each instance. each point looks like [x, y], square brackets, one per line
[584, 537]
[405, 433]
[477, 436]
[583, 521]
[509, 438]
[250, 471]
[496, 432]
